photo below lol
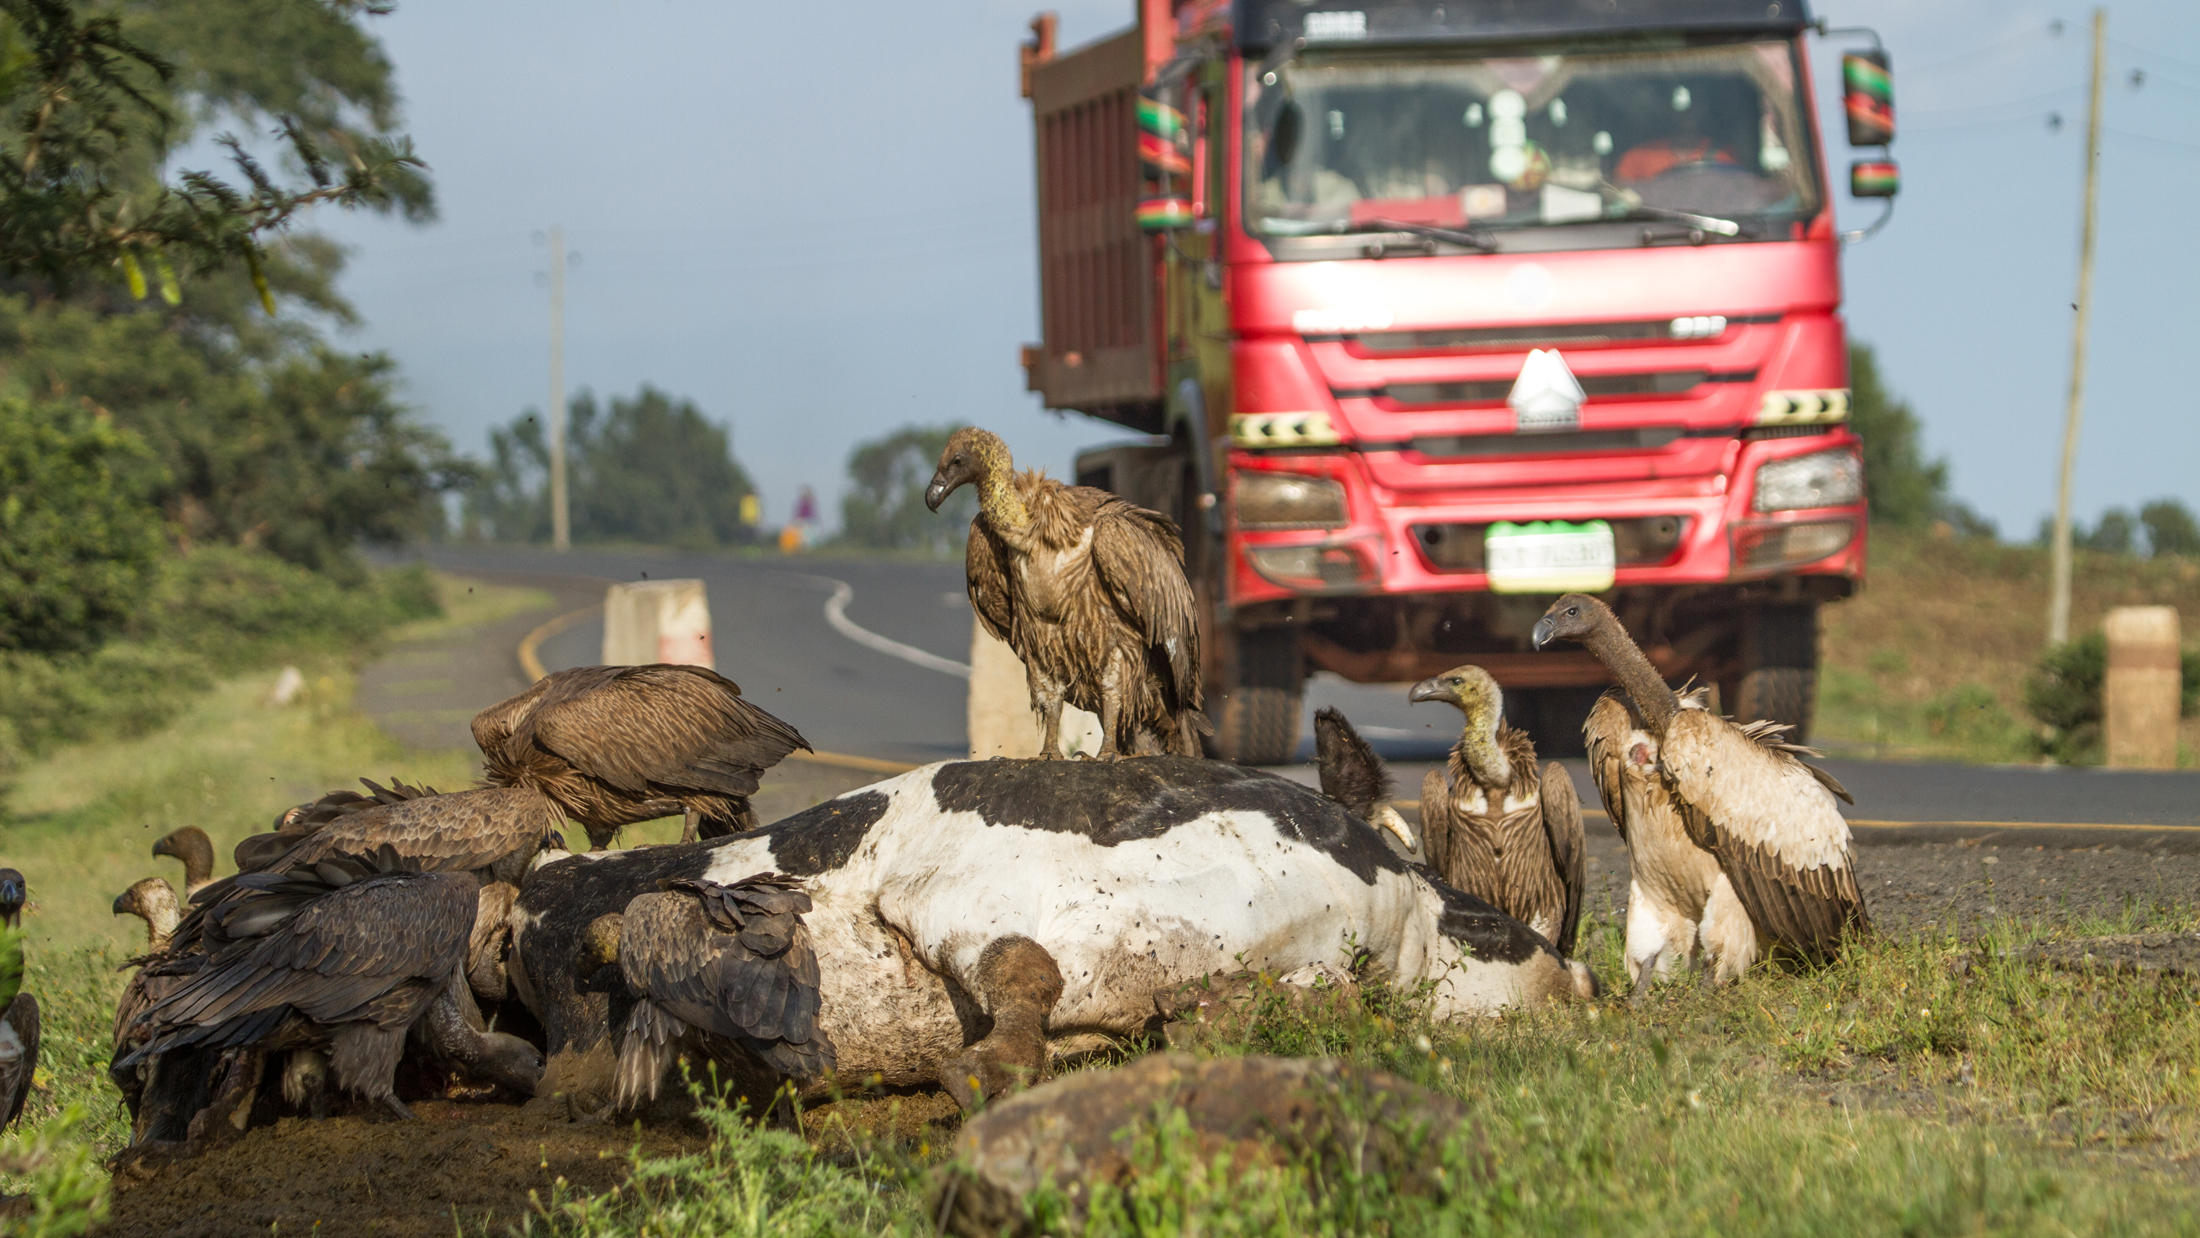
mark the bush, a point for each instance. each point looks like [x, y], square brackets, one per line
[78, 537]
[237, 608]
[2064, 694]
[1905, 489]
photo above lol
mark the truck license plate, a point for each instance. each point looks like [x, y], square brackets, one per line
[1549, 556]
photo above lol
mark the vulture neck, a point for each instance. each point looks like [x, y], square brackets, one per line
[1002, 507]
[1478, 745]
[1628, 664]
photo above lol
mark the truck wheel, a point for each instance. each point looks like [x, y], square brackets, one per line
[1779, 679]
[1257, 717]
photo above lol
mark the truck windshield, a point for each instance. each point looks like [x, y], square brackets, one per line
[1347, 143]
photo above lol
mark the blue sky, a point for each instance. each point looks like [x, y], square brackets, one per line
[821, 228]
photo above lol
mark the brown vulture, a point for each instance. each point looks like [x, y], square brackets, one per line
[1739, 790]
[18, 1010]
[1353, 775]
[152, 900]
[349, 954]
[614, 745]
[190, 845]
[294, 824]
[713, 968]
[1090, 592]
[1497, 828]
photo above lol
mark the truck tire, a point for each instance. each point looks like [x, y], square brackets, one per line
[1779, 671]
[1257, 717]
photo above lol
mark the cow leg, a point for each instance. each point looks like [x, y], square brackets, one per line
[225, 1116]
[1016, 982]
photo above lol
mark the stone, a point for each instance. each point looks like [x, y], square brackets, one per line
[1078, 1132]
[657, 621]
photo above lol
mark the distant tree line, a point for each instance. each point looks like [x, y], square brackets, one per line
[2162, 527]
[648, 469]
[884, 506]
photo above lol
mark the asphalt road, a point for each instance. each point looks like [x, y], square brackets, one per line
[771, 635]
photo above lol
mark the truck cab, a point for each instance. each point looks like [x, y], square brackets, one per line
[1431, 310]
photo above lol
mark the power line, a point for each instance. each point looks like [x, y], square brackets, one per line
[2052, 31]
[2189, 149]
[2149, 52]
[2042, 97]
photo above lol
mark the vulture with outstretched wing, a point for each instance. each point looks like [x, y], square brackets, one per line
[1497, 827]
[347, 954]
[1090, 591]
[1353, 775]
[1739, 791]
[18, 1010]
[614, 745]
[292, 825]
[713, 967]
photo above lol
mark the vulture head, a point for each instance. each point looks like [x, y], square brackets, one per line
[971, 455]
[1573, 617]
[190, 845]
[154, 901]
[510, 1061]
[1477, 695]
[599, 944]
[13, 890]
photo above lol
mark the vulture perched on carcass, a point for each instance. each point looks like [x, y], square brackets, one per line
[1671, 772]
[18, 1010]
[614, 745]
[190, 845]
[1090, 592]
[350, 955]
[711, 969]
[152, 900]
[292, 825]
[1496, 827]
[1353, 775]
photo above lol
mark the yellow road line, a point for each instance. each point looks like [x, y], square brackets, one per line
[1415, 805]
[530, 661]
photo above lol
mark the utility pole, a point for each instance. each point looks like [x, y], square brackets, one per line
[561, 522]
[2058, 603]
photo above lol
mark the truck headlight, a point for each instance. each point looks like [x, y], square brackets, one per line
[1288, 501]
[1313, 569]
[1820, 479]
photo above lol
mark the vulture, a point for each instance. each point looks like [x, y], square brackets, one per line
[712, 967]
[1353, 775]
[1497, 828]
[190, 845]
[152, 900]
[293, 824]
[1740, 791]
[348, 954]
[1090, 592]
[613, 745]
[18, 1010]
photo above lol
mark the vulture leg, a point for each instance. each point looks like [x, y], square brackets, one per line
[1111, 710]
[692, 830]
[1046, 700]
[1645, 978]
[1017, 982]
[225, 1116]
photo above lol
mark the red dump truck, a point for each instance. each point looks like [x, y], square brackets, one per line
[1430, 310]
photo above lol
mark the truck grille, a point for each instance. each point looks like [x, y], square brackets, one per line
[1494, 391]
[1648, 438]
[1636, 542]
[1543, 335]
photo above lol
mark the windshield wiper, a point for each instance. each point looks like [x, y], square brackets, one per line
[1707, 223]
[1450, 236]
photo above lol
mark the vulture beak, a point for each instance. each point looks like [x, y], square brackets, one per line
[161, 848]
[936, 493]
[1544, 627]
[1431, 689]
[125, 904]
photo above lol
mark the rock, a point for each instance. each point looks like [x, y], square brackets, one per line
[1078, 1131]
[289, 686]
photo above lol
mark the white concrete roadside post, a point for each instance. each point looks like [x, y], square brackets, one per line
[657, 621]
[1001, 721]
[2139, 699]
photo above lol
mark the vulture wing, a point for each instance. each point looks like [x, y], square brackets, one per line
[735, 961]
[985, 569]
[338, 945]
[1457, 841]
[1139, 560]
[1351, 773]
[459, 832]
[1569, 848]
[18, 1055]
[1773, 825]
[672, 728]
[1606, 735]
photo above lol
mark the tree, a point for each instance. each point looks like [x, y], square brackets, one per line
[2114, 535]
[89, 114]
[1905, 490]
[2171, 529]
[77, 539]
[651, 469]
[884, 508]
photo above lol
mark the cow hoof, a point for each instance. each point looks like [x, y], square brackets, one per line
[976, 1078]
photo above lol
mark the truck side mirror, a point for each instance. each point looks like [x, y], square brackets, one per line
[1867, 95]
[1165, 166]
[1874, 178]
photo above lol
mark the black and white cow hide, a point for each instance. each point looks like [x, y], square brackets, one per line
[947, 895]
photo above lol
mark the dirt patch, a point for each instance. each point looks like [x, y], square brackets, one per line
[457, 1166]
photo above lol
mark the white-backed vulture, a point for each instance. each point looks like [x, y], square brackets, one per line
[1090, 592]
[154, 901]
[1740, 792]
[190, 845]
[713, 969]
[19, 1022]
[350, 955]
[1497, 828]
[1353, 775]
[292, 825]
[614, 745]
